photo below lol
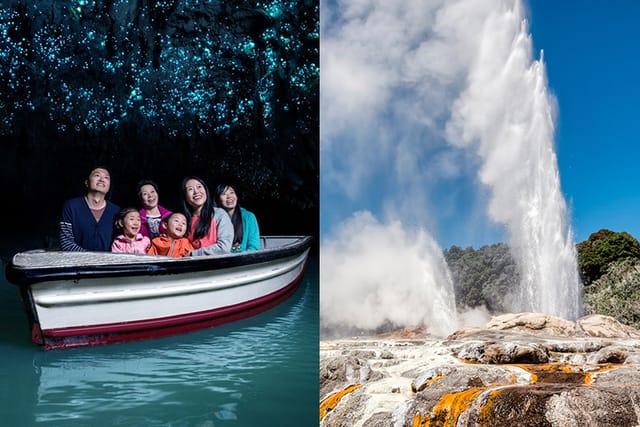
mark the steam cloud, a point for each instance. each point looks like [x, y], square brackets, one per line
[400, 280]
[417, 96]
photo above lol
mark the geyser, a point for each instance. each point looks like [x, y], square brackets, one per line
[420, 95]
[506, 114]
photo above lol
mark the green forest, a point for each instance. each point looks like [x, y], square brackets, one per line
[609, 264]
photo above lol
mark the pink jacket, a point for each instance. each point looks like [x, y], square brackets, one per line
[144, 226]
[123, 244]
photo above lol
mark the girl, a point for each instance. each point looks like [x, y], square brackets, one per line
[131, 241]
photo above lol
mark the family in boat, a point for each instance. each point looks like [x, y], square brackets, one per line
[205, 226]
[93, 297]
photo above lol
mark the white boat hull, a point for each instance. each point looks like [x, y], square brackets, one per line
[96, 306]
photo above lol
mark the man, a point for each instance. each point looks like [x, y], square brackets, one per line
[87, 221]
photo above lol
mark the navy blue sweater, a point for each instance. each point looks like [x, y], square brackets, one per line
[79, 230]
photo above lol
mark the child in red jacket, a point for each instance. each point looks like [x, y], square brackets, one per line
[173, 243]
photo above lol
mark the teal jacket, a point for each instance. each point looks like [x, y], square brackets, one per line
[250, 232]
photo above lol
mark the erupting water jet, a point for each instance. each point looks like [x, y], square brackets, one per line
[506, 114]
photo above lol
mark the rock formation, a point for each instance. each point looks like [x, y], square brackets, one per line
[523, 369]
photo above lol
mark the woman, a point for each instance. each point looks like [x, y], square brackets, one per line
[211, 230]
[86, 223]
[152, 214]
[246, 234]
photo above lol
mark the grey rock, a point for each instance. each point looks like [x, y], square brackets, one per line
[380, 419]
[503, 352]
[339, 371]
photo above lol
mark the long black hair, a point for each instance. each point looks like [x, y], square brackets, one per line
[206, 213]
[236, 218]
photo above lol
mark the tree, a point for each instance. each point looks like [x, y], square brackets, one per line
[482, 277]
[601, 249]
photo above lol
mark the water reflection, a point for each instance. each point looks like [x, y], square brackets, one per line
[253, 370]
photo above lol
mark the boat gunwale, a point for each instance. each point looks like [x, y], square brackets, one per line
[27, 276]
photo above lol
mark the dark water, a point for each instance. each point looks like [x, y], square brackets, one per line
[261, 371]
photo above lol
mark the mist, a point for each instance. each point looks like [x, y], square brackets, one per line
[390, 277]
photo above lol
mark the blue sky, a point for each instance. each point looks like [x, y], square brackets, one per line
[592, 56]
[386, 144]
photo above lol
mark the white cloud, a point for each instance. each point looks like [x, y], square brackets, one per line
[391, 71]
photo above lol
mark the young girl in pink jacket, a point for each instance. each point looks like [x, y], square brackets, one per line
[131, 241]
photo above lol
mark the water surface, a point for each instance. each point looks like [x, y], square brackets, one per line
[257, 371]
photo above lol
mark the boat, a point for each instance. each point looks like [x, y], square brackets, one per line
[75, 299]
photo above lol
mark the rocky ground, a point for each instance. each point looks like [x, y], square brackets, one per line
[522, 369]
